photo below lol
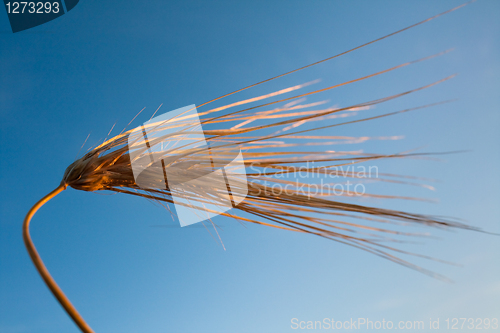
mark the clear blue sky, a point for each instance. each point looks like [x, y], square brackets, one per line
[104, 61]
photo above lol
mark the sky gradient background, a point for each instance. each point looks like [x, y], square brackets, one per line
[128, 267]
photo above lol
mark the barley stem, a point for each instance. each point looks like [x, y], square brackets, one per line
[37, 261]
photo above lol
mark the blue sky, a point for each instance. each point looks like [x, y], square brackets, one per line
[100, 64]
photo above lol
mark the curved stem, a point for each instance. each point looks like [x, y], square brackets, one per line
[37, 261]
